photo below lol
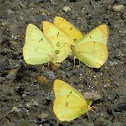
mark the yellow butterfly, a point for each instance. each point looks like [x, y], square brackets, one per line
[91, 48]
[37, 49]
[59, 39]
[69, 103]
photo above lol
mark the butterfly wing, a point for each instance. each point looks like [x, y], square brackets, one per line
[68, 28]
[60, 41]
[37, 48]
[69, 107]
[94, 54]
[69, 103]
[61, 88]
[99, 34]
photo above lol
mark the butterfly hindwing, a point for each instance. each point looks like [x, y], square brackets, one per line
[93, 54]
[69, 107]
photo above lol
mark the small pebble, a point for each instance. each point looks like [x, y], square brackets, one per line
[55, 66]
[11, 75]
[118, 7]
[124, 75]
[34, 103]
[117, 124]
[43, 116]
[1, 36]
[24, 95]
[66, 9]
[22, 4]
[42, 17]
[94, 95]
[121, 107]
[1, 79]
[88, 124]
[99, 121]
[10, 12]
[41, 79]
[81, 71]
[124, 2]
[50, 75]
[107, 85]
[29, 105]
[66, 64]
[3, 63]
[69, 73]
[113, 63]
[15, 109]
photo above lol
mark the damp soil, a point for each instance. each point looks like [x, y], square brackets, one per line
[26, 91]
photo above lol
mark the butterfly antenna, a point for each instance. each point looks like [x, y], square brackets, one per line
[74, 61]
[48, 64]
[48, 59]
[88, 114]
[79, 62]
[93, 108]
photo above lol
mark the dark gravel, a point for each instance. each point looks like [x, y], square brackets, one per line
[19, 85]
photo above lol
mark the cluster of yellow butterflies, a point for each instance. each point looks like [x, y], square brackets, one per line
[56, 43]
[69, 103]
[60, 39]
